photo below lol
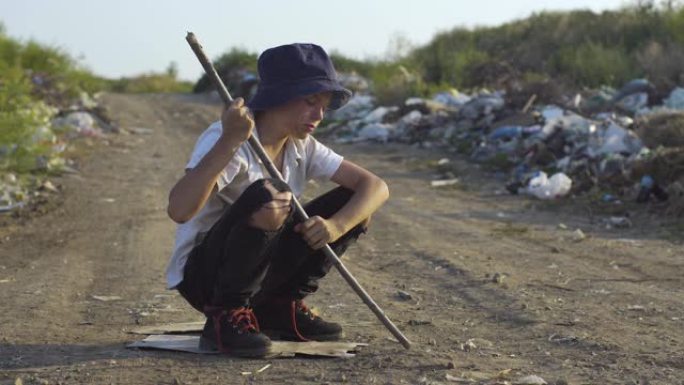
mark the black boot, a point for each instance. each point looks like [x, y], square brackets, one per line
[292, 320]
[233, 331]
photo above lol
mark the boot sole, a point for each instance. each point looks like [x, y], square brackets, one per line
[209, 345]
[287, 336]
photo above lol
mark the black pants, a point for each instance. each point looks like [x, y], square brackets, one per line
[235, 261]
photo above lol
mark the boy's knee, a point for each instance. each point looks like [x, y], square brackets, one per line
[272, 215]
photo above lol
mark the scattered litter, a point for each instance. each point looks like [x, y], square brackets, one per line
[498, 278]
[636, 308]
[604, 150]
[264, 368]
[106, 298]
[444, 182]
[543, 187]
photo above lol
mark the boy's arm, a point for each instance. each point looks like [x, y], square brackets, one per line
[191, 192]
[370, 192]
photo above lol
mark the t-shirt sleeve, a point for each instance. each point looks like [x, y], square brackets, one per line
[205, 143]
[322, 161]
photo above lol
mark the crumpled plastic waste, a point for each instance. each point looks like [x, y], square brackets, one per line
[378, 114]
[676, 99]
[594, 143]
[482, 105]
[543, 187]
[78, 123]
[357, 106]
[377, 131]
[612, 139]
[452, 98]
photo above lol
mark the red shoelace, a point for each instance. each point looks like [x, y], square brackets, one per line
[305, 309]
[244, 318]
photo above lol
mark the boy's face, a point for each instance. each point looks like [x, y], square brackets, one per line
[302, 116]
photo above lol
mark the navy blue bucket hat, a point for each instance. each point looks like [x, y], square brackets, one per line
[293, 71]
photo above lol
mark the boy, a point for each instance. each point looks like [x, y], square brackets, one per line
[241, 257]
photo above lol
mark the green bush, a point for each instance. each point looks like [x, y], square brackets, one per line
[674, 23]
[150, 83]
[582, 47]
[20, 118]
[228, 66]
[393, 83]
[347, 64]
[593, 65]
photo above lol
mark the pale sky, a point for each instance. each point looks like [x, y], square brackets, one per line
[128, 37]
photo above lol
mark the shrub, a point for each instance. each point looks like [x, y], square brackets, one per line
[394, 83]
[150, 83]
[230, 67]
[593, 64]
[20, 118]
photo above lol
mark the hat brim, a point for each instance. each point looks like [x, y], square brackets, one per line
[273, 96]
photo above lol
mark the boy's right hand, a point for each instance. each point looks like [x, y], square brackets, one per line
[237, 122]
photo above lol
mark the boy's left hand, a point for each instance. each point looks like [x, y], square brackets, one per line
[317, 231]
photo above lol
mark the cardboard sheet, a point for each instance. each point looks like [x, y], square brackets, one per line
[190, 343]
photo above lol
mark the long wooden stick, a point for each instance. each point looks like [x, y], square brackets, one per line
[256, 147]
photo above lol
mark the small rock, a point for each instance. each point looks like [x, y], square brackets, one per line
[463, 380]
[404, 295]
[530, 380]
[578, 235]
[48, 186]
[141, 130]
[618, 222]
[415, 322]
[10, 178]
[498, 278]
[475, 343]
[468, 346]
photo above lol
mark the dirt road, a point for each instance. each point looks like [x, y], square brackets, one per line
[497, 290]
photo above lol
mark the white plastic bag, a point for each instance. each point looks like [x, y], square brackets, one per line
[543, 187]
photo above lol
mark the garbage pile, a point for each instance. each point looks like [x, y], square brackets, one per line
[27, 163]
[609, 140]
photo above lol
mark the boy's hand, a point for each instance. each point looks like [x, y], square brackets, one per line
[317, 232]
[237, 122]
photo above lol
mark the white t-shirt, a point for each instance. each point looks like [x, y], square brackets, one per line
[304, 159]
